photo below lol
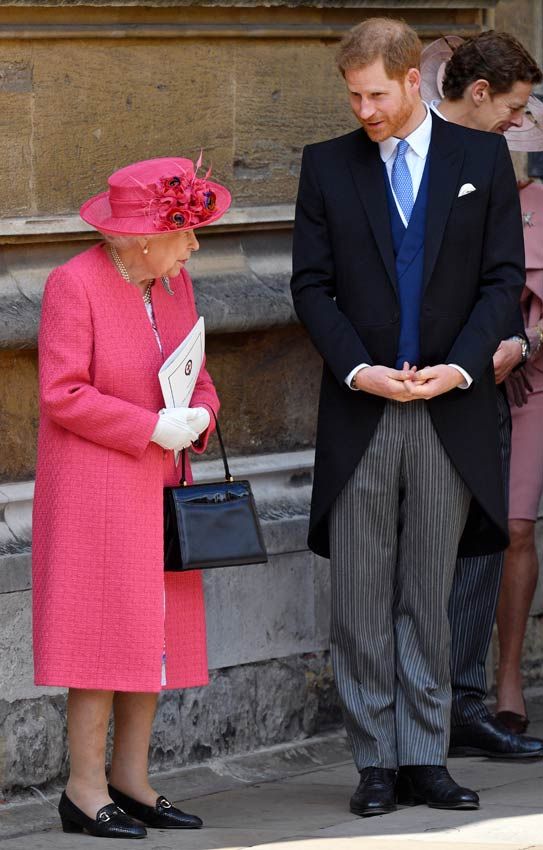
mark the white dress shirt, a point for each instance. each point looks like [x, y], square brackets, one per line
[415, 157]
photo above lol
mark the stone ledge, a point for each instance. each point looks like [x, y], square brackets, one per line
[292, 4]
[22, 32]
[15, 517]
[241, 282]
[281, 486]
[59, 226]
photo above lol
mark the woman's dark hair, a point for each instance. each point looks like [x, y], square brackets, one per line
[496, 57]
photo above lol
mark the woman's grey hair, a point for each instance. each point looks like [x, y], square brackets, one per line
[120, 241]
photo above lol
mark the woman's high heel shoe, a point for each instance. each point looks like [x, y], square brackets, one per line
[110, 821]
[160, 816]
[515, 723]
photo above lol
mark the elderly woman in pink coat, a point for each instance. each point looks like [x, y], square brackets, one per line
[526, 483]
[109, 624]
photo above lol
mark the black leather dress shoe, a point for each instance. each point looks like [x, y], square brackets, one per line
[489, 737]
[375, 792]
[160, 816]
[433, 785]
[110, 821]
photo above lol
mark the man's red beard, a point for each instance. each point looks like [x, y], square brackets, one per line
[389, 124]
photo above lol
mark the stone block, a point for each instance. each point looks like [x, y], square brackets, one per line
[242, 282]
[15, 572]
[282, 700]
[277, 105]
[522, 18]
[16, 663]
[32, 741]
[267, 403]
[126, 101]
[284, 526]
[16, 129]
[18, 414]
[262, 611]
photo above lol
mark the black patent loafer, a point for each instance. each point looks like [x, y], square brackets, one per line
[160, 816]
[110, 821]
[433, 785]
[375, 792]
[491, 738]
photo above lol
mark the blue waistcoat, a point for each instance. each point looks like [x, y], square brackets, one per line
[408, 246]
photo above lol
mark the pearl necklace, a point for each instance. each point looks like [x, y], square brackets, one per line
[121, 268]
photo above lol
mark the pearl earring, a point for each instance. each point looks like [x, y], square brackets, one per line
[146, 250]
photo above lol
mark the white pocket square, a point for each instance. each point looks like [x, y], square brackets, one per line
[466, 189]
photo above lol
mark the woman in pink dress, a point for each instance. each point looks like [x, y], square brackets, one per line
[109, 624]
[526, 482]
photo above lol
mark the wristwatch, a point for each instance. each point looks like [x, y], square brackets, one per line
[524, 346]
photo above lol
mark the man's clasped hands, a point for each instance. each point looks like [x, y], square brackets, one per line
[408, 383]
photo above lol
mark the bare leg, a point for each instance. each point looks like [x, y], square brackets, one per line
[134, 714]
[88, 718]
[516, 595]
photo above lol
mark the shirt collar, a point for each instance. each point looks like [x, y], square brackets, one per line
[418, 140]
[435, 104]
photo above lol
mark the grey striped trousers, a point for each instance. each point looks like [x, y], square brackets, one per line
[472, 608]
[394, 533]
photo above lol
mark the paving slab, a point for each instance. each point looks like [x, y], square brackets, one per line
[483, 773]
[345, 775]
[524, 794]
[491, 824]
[296, 809]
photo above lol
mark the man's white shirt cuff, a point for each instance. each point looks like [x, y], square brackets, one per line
[351, 375]
[468, 380]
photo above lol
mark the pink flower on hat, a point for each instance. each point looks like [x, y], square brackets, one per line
[183, 199]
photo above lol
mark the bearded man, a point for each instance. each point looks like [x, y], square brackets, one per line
[407, 268]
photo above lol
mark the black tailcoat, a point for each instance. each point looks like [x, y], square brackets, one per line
[345, 293]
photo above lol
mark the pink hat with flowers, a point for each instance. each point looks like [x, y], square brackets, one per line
[156, 196]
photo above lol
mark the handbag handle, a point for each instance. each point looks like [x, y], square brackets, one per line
[228, 477]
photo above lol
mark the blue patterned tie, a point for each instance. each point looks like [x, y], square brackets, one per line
[401, 180]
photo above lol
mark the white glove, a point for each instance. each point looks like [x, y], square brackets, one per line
[178, 427]
[198, 418]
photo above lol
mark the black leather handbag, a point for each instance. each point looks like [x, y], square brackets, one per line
[211, 525]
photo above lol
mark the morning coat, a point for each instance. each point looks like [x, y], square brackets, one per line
[345, 292]
[103, 608]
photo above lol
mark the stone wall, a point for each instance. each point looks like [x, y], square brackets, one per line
[86, 87]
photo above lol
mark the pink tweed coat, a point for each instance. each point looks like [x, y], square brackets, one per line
[103, 607]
